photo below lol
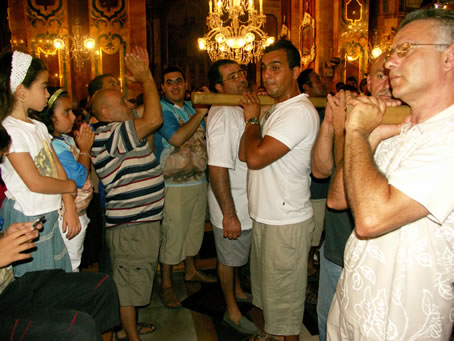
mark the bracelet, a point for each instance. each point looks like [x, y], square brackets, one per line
[84, 154]
[254, 121]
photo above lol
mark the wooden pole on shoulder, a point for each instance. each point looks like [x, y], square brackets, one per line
[393, 115]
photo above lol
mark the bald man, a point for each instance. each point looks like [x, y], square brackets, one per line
[326, 155]
[134, 186]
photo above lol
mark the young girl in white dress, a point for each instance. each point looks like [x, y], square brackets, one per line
[36, 181]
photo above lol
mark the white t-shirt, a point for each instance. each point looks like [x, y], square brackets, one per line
[279, 193]
[225, 125]
[31, 138]
[399, 286]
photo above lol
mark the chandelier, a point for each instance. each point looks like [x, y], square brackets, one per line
[235, 31]
[81, 46]
[444, 4]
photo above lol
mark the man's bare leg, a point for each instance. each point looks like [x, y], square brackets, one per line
[226, 277]
[167, 293]
[166, 276]
[191, 274]
[128, 321]
[239, 292]
[189, 267]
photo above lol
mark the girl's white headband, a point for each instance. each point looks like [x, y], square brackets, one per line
[19, 67]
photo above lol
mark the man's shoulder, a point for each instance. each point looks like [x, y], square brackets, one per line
[115, 133]
[226, 113]
[298, 107]
[169, 111]
[221, 117]
[108, 127]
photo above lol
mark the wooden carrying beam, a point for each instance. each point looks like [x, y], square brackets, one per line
[393, 115]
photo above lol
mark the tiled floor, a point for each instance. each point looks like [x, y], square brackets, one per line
[183, 324]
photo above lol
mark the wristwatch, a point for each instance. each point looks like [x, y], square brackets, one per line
[254, 121]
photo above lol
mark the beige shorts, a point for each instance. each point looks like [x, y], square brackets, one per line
[134, 253]
[319, 207]
[183, 222]
[279, 274]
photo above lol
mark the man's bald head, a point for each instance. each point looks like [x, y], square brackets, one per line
[108, 104]
[378, 79]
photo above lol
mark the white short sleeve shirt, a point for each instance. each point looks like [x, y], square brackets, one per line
[30, 138]
[279, 193]
[225, 126]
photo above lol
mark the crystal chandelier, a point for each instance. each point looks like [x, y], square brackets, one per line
[444, 4]
[235, 31]
[81, 46]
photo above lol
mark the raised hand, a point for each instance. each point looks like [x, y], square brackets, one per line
[142, 54]
[366, 114]
[251, 105]
[336, 108]
[85, 137]
[140, 72]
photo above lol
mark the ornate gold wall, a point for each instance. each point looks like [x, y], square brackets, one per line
[321, 29]
[116, 26]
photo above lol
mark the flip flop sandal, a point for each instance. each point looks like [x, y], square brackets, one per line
[145, 325]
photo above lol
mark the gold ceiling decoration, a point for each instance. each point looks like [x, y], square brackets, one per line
[235, 31]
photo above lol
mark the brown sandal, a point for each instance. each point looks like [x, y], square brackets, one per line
[262, 337]
[169, 298]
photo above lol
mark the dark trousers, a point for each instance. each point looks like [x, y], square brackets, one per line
[54, 305]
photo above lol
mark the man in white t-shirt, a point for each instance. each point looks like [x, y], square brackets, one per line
[227, 193]
[277, 151]
[397, 282]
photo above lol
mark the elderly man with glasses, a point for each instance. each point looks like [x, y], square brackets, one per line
[397, 282]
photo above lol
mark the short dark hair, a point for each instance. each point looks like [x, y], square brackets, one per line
[350, 88]
[340, 86]
[171, 69]
[96, 83]
[214, 76]
[305, 78]
[293, 55]
[444, 19]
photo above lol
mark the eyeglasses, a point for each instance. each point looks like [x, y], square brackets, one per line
[403, 49]
[177, 81]
[235, 76]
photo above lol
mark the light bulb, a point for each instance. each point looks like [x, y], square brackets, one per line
[89, 43]
[269, 41]
[220, 38]
[376, 52]
[202, 44]
[250, 37]
[59, 43]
